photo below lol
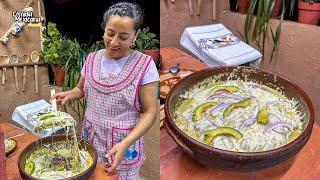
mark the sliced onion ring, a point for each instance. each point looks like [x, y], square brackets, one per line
[210, 120]
[271, 126]
[226, 94]
[285, 131]
[219, 107]
[247, 122]
[217, 94]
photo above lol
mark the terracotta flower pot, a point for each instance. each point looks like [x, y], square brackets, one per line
[309, 13]
[58, 75]
[277, 9]
[155, 54]
[243, 6]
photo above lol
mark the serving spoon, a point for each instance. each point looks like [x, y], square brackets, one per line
[54, 101]
[24, 59]
[4, 60]
[175, 69]
[35, 57]
[199, 7]
[14, 60]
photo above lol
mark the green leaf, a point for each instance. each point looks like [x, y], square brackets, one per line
[292, 5]
[248, 21]
[259, 27]
[146, 40]
[276, 37]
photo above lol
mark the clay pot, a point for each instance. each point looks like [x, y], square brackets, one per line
[58, 75]
[239, 161]
[155, 54]
[309, 13]
[243, 6]
[31, 147]
[277, 9]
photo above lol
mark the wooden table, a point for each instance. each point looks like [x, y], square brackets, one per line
[175, 164]
[24, 140]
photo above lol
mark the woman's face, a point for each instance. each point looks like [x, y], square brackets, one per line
[118, 36]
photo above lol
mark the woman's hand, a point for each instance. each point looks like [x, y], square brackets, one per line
[118, 152]
[62, 97]
[75, 93]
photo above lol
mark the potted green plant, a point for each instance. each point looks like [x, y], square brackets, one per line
[147, 43]
[73, 68]
[256, 29]
[309, 11]
[55, 52]
[243, 6]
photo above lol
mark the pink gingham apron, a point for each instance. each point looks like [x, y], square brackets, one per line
[113, 108]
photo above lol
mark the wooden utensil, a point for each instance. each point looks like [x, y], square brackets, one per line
[24, 59]
[41, 27]
[35, 57]
[162, 115]
[54, 101]
[14, 60]
[198, 7]
[214, 2]
[190, 7]
[4, 60]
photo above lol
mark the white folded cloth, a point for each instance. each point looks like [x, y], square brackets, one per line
[215, 45]
[26, 114]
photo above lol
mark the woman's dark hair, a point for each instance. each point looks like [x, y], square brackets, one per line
[124, 9]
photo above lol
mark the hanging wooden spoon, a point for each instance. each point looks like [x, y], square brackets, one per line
[199, 7]
[214, 2]
[24, 59]
[190, 7]
[35, 57]
[14, 60]
[4, 60]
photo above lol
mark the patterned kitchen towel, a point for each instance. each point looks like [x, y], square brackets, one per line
[26, 116]
[217, 46]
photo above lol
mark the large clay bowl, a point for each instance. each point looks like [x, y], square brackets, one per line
[82, 143]
[240, 161]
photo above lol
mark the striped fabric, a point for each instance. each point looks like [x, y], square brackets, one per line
[113, 109]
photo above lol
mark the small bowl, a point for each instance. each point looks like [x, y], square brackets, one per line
[9, 151]
[231, 160]
[29, 149]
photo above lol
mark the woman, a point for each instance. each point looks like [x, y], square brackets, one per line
[120, 86]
